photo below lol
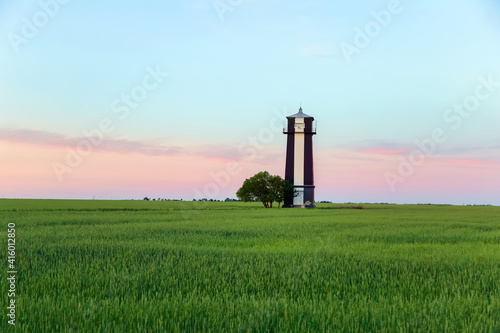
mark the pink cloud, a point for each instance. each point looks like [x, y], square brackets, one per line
[476, 162]
[221, 153]
[59, 141]
[384, 151]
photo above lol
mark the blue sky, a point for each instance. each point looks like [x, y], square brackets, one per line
[228, 74]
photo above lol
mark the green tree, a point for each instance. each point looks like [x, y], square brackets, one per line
[265, 188]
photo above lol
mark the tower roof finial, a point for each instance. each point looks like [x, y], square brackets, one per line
[300, 114]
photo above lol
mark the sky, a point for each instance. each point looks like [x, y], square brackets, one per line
[187, 99]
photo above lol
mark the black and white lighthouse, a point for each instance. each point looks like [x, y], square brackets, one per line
[299, 159]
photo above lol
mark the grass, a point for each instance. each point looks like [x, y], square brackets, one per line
[135, 266]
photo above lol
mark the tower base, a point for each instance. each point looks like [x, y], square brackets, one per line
[304, 197]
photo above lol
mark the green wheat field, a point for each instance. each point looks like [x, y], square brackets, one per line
[168, 266]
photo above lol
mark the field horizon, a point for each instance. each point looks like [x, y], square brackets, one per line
[319, 204]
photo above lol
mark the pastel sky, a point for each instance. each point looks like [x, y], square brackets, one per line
[186, 99]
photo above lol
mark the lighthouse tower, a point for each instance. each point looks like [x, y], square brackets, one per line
[299, 159]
